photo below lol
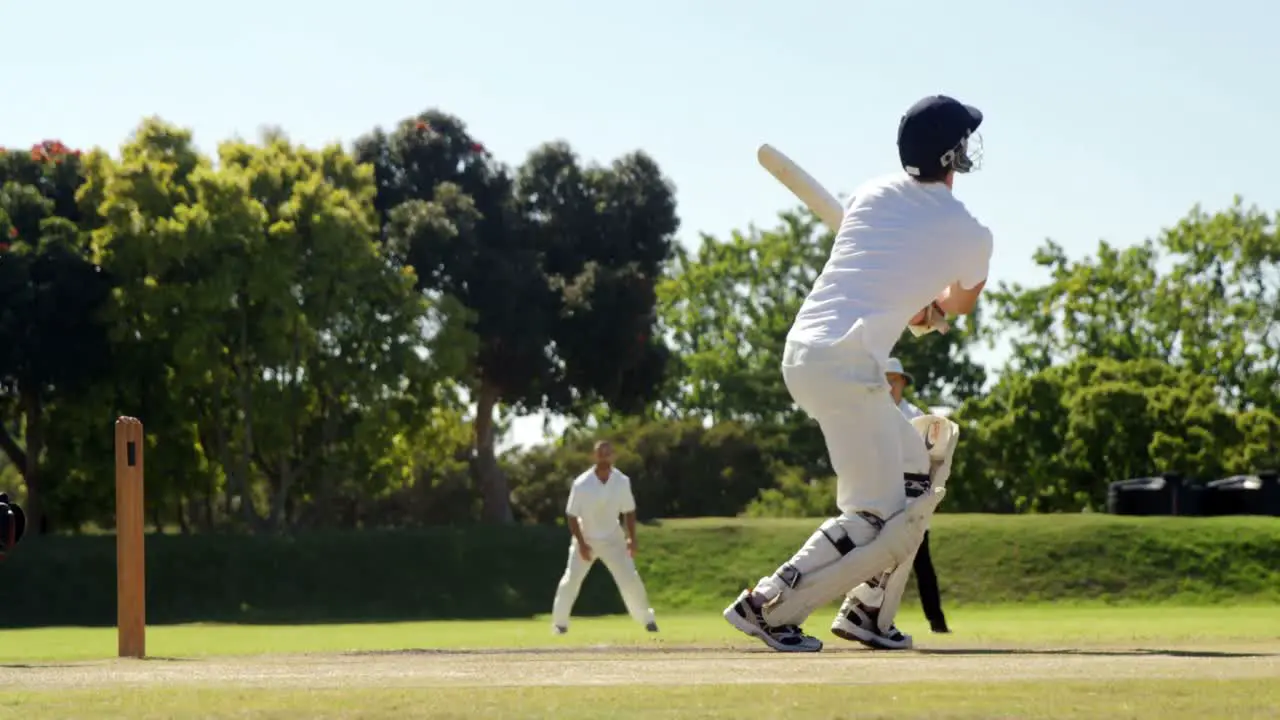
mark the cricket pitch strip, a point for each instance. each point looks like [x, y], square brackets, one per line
[688, 665]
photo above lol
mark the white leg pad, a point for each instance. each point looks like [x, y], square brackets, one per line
[893, 585]
[871, 592]
[895, 544]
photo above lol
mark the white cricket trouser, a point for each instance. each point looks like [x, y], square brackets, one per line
[613, 553]
[915, 457]
[843, 388]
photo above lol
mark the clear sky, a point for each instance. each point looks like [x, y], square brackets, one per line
[1106, 119]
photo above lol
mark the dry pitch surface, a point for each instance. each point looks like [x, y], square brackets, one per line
[659, 666]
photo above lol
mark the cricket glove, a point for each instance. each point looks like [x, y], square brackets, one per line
[935, 320]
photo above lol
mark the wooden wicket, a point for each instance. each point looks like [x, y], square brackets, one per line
[131, 583]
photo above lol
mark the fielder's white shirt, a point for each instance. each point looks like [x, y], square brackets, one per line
[597, 505]
[900, 244]
[909, 411]
[915, 457]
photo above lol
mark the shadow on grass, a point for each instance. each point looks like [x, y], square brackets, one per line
[46, 666]
[842, 653]
[549, 651]
[1137, 652]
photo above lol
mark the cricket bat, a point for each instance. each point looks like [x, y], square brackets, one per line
[802, 185]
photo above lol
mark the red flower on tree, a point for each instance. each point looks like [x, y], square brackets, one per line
[422, 126]
[13, 232]
[477, 148]
[53, 150]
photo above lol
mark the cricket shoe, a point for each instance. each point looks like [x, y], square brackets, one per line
[858, 623]
[783, 638]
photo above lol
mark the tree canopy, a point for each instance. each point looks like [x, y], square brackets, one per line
[335, 337]
[53, 345]
[555, 262]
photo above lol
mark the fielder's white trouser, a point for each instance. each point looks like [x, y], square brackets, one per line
[613, 553]
[927, 450]
[843, 388]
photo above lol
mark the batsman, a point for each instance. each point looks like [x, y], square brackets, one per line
[908, 253]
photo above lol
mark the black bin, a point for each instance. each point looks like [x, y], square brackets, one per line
[1188, 498]
[1239, 495]
[1143, 496]
[1270, 492]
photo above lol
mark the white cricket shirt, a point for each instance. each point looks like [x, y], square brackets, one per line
[909, 411]
[900, 244]
[597, 505]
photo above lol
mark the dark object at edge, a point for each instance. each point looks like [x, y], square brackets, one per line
[13, 523]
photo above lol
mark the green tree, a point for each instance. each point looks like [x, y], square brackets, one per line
[727, 307]
[53, 345]
[679, 468]
[1054, 440]
[284, 351]
[555, 261]
[1204, 295]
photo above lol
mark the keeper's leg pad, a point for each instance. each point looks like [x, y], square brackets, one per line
[803, 592]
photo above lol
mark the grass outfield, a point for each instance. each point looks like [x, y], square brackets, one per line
[1001, 662]
[1113, 700]
[1009, 626]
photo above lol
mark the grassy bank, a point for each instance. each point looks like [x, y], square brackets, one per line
[689, 565]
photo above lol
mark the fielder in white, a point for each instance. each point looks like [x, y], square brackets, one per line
[598, 498]
[906, 250]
